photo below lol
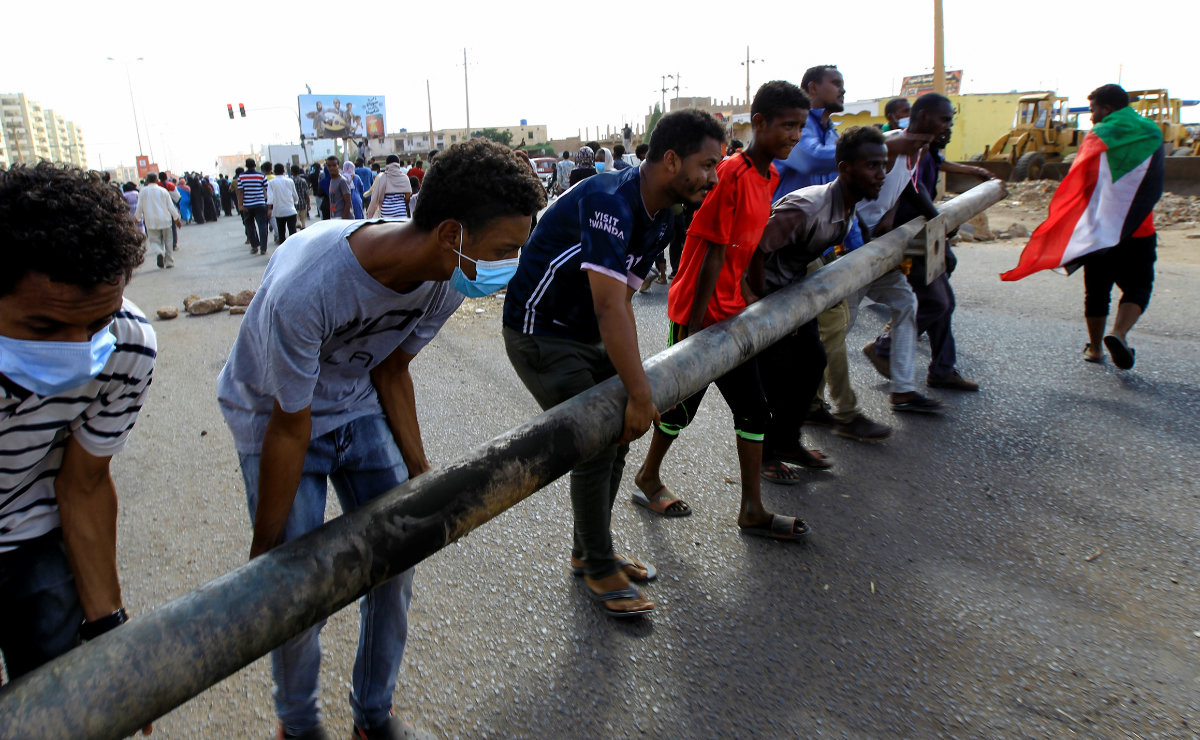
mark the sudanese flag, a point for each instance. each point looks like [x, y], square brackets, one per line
[1107, 196]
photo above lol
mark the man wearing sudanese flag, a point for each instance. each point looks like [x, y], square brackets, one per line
[1102, 218]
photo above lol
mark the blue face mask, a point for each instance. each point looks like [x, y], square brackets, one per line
[490, 275]
[903, 122]
[47, 368]
[599, 166]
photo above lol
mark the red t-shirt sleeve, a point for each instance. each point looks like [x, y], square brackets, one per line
[714, 220]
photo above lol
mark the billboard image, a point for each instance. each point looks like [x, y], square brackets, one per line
[917, 85]
[341, 116]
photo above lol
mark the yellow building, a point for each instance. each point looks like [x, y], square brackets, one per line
[979, 119]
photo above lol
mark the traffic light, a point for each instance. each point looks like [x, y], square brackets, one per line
[242, 109]
[229, 107]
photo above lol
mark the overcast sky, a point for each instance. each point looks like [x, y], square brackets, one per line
[565, 64]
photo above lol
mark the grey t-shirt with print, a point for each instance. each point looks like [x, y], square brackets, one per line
[317, 326]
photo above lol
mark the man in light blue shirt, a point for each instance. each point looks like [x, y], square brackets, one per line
[813, 160]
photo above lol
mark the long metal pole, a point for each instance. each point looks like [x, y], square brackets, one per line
[126, 678]
[429, 102]
[939, 56]
[747, 79]
[467, 91]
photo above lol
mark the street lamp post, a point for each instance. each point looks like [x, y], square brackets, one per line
[748, 62]
[132, 104]
[674, 77]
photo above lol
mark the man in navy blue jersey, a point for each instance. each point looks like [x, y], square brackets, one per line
[568, 319]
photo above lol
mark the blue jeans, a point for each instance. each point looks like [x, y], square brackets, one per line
[362, 460]
[41, 614]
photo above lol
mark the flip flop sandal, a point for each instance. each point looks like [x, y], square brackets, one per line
[624, 593]
[770, 472]
[676, 508]
[810, 460]
[1087, 357]
[788, 528]
[651, 571]
[1122, 354]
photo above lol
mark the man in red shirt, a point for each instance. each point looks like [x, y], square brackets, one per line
[417, 172]
[710, 286]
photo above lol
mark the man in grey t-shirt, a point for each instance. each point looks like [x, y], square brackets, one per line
[317, 387]
[339, 191]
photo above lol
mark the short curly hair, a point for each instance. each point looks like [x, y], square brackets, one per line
[683, 132]
[66, 224]
[776, 96]
[476, 182]
[853, 139]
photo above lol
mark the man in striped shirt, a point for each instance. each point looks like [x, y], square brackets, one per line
[76, 360]
[252, 201]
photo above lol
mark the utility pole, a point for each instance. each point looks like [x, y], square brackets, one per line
[939, 57]
[748, 62]
[429, 102]
[467, 90]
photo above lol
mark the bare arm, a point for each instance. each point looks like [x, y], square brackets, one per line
[87, 504]
[706, 283]
[284, 446]
[967, 169]
[612, 301]
[394, 384]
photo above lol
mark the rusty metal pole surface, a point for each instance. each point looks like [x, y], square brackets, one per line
[119, 682]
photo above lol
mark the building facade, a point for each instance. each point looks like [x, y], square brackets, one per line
[979, 119]
[419, 143]
[32, 135]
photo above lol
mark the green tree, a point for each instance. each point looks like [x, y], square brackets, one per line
[503, 137]
[657, 114]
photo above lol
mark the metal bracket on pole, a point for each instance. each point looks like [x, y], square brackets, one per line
[930, 245]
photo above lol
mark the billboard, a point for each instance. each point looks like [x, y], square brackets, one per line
[341, 116]
[145, 166]
[917, 85]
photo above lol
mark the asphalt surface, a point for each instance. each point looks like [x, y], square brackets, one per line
[1024, 566]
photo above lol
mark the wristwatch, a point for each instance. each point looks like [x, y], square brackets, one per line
[95, 628]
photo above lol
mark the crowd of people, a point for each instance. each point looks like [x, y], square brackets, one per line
[163, 202]
[318, 388]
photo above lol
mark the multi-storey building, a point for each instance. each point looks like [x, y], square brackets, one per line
[32, 134]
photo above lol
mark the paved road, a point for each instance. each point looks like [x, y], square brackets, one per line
[1023, 567]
